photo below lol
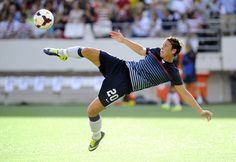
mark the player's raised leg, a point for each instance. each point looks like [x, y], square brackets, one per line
[95, 122]
[91, 54]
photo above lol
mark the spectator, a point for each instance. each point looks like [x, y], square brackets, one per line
[90, 15]
[179, 6]
[61, 19]
[167, 16]
[182, 26]
[122, 3]
[228, 16]
[168, 21]
[141, 26]
[194, 22]
[156, 26]
[103, 25]
[125, 14]
[76, 14]
[214, 7]
[9, 27]
[75, 26]
[24, 28]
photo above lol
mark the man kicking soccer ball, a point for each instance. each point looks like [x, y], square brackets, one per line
[123, 77]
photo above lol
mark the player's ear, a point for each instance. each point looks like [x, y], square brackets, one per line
[173, 51]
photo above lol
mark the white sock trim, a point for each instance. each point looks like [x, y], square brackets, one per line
[73, 52]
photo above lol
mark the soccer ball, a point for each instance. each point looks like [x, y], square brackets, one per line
[43, 19]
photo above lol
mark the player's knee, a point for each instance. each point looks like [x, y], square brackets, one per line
[91, 112]
[89, 51]
[86, 50]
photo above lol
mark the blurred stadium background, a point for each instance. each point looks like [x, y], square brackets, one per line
[42, 112]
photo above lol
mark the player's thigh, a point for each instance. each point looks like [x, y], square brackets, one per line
[112, 89]
[190, 79]
[95, 107]
[110, 65]
[92, 54]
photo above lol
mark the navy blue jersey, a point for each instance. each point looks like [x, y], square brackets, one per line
[152, 71]
[189, 67]
[189, 61]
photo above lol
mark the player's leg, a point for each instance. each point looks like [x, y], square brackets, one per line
[197, 93]
[116, 85]
[167, 104]
[192, 87]
[91, 54]
[95, 122]
[176, 101]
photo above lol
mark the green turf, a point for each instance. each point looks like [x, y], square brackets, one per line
[138, 134]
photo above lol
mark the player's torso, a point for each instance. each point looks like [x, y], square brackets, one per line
[147, 72]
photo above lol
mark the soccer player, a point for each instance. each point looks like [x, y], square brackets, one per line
[123, 77]
[189, 70]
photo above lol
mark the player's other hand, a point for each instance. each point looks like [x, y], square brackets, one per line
[117, 35]
[207, 114]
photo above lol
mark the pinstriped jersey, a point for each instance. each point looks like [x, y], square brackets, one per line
[152, 71]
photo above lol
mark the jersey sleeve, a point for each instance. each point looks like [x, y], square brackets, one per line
[155, 51]
[176, 79]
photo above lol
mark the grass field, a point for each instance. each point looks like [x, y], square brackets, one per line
[139, 134]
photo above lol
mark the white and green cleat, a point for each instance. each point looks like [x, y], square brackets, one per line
[55, 52]
[94, 143]
[177, 109]
[165, 107]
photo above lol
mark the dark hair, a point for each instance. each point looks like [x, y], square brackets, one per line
[176, 44]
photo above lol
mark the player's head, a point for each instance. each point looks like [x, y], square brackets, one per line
[188, 47]
[171, 47]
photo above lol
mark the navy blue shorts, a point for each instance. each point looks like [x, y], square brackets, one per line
[190, 79]
[117, 80]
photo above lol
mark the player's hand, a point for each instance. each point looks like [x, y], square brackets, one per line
[117, 35]
[207, 114]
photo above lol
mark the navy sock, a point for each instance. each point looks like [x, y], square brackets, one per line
[79, 52]
[94, 119]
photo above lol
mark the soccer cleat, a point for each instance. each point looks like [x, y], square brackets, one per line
[55, 52]
[165, 107]
[94, 143]
[177, 109]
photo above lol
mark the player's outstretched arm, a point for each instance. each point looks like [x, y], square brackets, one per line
[192, 102]
[118, 36]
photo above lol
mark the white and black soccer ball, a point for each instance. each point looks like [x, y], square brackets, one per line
[43, 19]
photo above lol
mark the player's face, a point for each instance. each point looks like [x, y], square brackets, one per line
[166, 49]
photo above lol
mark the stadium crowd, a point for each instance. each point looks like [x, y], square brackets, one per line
[135, 18]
